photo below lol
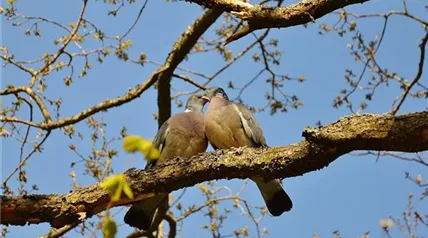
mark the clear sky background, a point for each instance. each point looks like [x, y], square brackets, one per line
[350, 195]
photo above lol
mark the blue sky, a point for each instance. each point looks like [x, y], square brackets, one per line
[351, 195]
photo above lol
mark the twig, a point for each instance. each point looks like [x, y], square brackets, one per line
[66, 42]
[23, 162]
[33, 95]
[54, 233]
[418, 74]
[17, 64]
[136, 20]
[18, 120]
[38, 18]
[189, 80]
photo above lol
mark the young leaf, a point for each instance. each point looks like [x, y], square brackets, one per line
[128, 191]
[133, 144]
[109, 227]
[115, 185]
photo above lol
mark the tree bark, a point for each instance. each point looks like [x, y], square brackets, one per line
[181, 48]
[260, 17]
[406, 133]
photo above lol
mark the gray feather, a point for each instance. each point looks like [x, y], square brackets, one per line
[250, 125]
[174, 138]
[159, 142]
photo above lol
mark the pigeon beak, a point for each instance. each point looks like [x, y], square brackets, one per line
[207, 99]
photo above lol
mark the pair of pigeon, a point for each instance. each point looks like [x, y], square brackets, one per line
[226, 124]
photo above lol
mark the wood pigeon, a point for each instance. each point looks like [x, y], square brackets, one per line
[181, 135]
[229, 124]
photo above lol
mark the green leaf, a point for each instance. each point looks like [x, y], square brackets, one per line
[117, 193]
[133, 144]
[128, 191]
[109, 227]
[115, 185]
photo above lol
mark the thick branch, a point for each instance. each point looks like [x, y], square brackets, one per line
[406, 133]
[181, 48]
[259, 17]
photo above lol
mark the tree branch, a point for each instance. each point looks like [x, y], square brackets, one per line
[418, 74]
[406, 133]
[54, 233]
[189, 80]
[64, 45]
[164, 72]
[260, 17]
[181, 48]
[30, 92]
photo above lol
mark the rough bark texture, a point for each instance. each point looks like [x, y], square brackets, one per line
[259, 17]
[407, 133]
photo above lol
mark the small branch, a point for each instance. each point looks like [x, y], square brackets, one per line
[54, 233]
[171, 234]
[418, 74]
[136, 19]
[43, 19]
[66, 42]
[206, 204]
[34, 96]
[43, 109]
[414, 158]
[227, 65]
[24, 161]
[238, 56]
[18, 120]
[106, 104]
[164, 72]
[189, 80]
[406, 133]
[18, 65]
